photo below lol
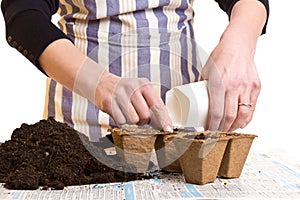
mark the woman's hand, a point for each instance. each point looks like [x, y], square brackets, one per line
[233, 81]
[131, 101]
[126, 100]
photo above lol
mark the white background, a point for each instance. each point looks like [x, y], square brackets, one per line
[276, 117]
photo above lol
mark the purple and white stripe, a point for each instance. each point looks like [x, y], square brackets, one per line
[133, 38]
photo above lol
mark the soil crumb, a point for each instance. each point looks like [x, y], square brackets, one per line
[50, 154]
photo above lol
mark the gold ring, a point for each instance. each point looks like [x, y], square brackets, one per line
[248, 105]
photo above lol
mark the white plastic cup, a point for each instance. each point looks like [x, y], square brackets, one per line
[188, 104]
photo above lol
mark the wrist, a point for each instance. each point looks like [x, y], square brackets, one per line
[105, 87]
[246, 23]
[239, 39]
[87, 78]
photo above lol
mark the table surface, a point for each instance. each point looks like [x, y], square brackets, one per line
[263, 177]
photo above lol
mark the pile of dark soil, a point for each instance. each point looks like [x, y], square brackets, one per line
[50, 154]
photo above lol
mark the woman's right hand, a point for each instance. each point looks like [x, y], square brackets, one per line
[126, 100]
[131, 101]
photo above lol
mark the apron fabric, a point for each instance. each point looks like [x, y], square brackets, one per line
[132, 38]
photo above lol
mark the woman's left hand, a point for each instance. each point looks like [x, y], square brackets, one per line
[233, 83]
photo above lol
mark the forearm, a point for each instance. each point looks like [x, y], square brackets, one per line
[247, 20]
[61, 61]
[126, 100]
[66, 64]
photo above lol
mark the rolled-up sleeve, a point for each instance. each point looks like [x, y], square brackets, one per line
[227, 6]
[28, 26]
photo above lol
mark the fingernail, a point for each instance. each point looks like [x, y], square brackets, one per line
[168, 129]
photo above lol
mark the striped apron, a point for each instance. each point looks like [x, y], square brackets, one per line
[132, 38]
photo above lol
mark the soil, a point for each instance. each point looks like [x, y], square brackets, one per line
[50, 154]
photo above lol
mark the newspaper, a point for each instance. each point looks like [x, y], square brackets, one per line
[263, 177]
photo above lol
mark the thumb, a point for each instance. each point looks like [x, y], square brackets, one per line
[205, 70]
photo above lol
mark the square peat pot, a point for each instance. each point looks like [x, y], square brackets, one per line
[202, 156]
[235, 155]
[135, 145]
[166, 153]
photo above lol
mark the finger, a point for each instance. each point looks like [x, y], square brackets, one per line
[131, 115]
[216, 104]
[216, 91]
[117, 114]
[159, 118]
[244, 111]
[253, 99]
[127, 108]
[158, 113]
[205, 70]
[141, 107]
[230, 111]
[203, 74]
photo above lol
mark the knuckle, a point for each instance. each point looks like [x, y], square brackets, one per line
[243, 113]
[216, 115]
[256, 84]
[235, 83]
[230, 117]
[145, 83]
[135, 96]
[243, 83]
[129, 87]
[217, 84]
[144, 80]
[106, 105]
